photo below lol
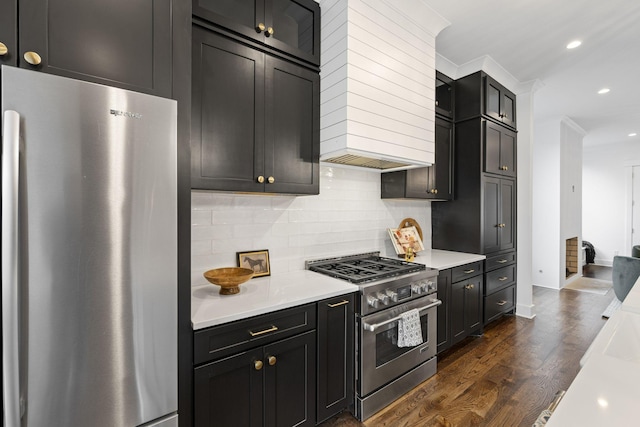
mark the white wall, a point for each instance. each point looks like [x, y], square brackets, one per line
[604, 197]
[347, 217]
[557, 189]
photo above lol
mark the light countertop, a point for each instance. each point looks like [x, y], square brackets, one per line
[266, 294]
[262, 295]
[606, 391]
[436, 258]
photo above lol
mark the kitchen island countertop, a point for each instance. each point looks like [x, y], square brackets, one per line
[262, 295]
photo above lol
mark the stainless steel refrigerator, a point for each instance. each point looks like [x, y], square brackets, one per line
[89, 254]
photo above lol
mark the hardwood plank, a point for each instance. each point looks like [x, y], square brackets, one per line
[507, 376]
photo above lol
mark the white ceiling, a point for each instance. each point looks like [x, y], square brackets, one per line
[528, 39]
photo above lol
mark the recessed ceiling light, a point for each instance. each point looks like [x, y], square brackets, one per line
[574, 44]
[604, 90]
[633, 134]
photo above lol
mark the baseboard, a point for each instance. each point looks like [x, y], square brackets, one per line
[603, 262]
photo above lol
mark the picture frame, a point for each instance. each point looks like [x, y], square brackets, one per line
[258, 261]
[404, 238]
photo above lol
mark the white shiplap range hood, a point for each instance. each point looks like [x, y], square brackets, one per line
[378, 83]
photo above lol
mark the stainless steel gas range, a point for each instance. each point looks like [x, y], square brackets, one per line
[389, 287]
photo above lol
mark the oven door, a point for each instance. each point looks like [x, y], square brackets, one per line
[381, 360]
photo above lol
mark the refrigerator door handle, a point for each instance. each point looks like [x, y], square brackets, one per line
[10, 200]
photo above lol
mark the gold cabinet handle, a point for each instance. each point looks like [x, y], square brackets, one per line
[503, 278]
[338, 304]
[260, 27]
[501, 303]
[258, 365]
[261, 179]
[501, 261]
[273, 328]
[272, 360]
[469, 286]
[271, 180]
[3, 49]
[269, 32]
[469, 271]
[32, 58]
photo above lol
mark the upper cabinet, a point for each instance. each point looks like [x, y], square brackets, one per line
[445, 99]
[8, 33]
[499, 150]
[118, 43]
[289, 26]
[434, 182]
[255, 119]
[479, 94]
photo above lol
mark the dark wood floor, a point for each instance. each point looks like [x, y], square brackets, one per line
[507, 376]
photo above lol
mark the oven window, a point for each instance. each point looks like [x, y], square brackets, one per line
[387, 342]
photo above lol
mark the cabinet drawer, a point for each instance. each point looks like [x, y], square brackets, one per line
[499, 303]
[497, 261]
[466, 271]
[220, 341]
[500, 278]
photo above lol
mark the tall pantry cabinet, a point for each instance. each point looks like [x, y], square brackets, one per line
[482, 218]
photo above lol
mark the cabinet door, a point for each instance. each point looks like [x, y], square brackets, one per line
[444, 310]
[457, 304]
[493, 98]
[507, 214]
[335, 355]
[295, 28]
[441, 177]
[491, 214]
[499, 150]
[290, 381]
[244, 17]
[473, 304]
[120, 43]
[508, 105]
[227, 117]
[508, 158]
[9, 33]
[228, 393]
[444, 95]
[292, 128]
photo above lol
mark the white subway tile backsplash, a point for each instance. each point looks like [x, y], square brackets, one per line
[347, 217]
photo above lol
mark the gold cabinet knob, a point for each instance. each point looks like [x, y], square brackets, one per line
[260, 28]
[269, 32]
[32, 58]
[272, 360]
[258, 364]
[435, 191]
[271, 180]
[3, 49]
[261, 179]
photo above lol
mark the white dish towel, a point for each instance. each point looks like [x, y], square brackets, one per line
[409, 329]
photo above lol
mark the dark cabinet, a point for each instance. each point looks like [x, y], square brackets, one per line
[9, 33]
[444, 96]
[466, 308]
[499, 150]
[255, 119]
[480, 94]
[500, 286]
[434, 182]
[461, 291]
[335, 355]
[288, 26]
[259, 371]
[499, 212]
[118, 43]
[275, 380]
[444, 310]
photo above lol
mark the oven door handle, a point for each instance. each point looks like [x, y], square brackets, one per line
[372, 328]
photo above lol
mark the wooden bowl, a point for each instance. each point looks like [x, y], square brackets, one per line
[228, 278]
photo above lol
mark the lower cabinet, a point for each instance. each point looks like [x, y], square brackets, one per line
[293, 367]
[461, 291]
[336, 323]
[499, 286]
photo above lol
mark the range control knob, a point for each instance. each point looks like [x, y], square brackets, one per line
[392, 295]
[384, 298]
[372, 301]
[431, 286]
[416, 289]
[424, 286]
